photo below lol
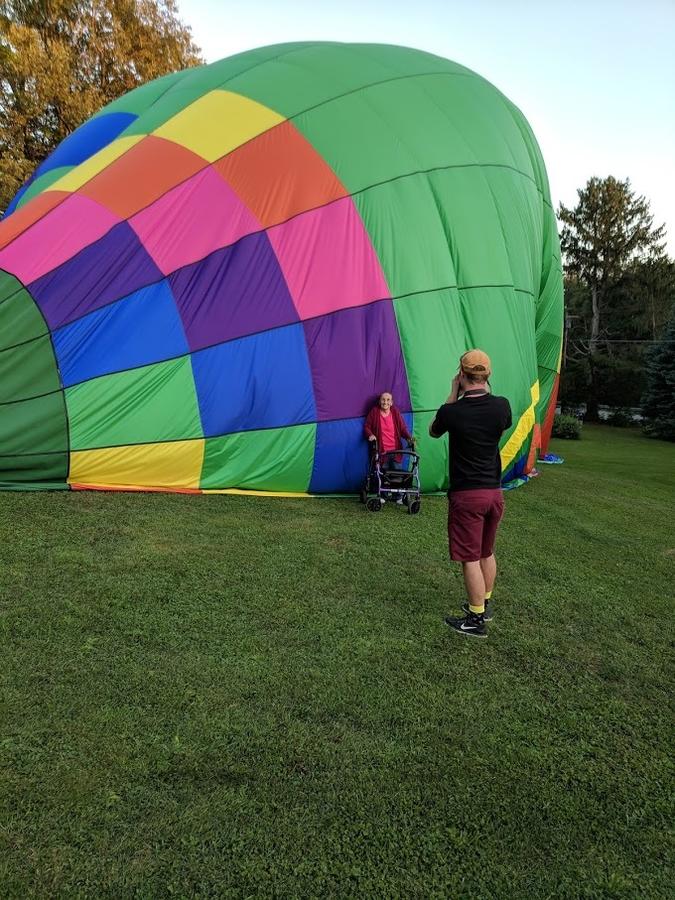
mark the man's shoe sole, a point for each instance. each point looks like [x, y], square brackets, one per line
[469, 633]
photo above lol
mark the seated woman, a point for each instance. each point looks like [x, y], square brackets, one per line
[386, 425]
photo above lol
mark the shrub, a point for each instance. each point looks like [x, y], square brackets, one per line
[568, 427]
[620, 417]
[661, 428]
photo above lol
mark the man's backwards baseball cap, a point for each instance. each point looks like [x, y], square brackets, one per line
[475, 362]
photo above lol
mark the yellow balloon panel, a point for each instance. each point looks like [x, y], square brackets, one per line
[522, 430]
[217, 123]
[173, 465]
[97, 163]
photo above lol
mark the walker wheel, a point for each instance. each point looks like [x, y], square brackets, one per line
[414, 507]
[363, 495]
[374, 504]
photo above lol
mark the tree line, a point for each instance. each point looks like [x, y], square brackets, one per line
[619, 306]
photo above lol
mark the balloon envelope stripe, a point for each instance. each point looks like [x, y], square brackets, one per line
[142, 175]
[169, 466]
[193, 126]
[278, 460]
[328, 260]
[232, 383]
[349, 369]
[44, 183]
[280, 175]
[141, 329]
[113, 267]
[14, 225]
[233, 292]
[153, 404]
[192, 220]
[59, 235]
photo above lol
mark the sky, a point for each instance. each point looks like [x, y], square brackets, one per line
[594, 78]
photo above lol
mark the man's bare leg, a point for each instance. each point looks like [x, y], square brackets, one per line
[475, 585]
[488, 567]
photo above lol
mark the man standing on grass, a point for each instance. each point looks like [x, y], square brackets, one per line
[475, 421]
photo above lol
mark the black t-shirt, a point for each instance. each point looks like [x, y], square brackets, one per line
[475, 425]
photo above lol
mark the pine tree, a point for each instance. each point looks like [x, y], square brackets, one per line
[608, 231]
[658, 401]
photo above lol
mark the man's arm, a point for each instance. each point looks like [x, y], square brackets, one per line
[454, 390]
[436, 430]
[432, 433]
[507, 415]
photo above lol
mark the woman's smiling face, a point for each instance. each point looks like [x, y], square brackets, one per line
[386, 402]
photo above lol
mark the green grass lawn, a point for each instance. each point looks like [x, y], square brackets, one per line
[252, 697]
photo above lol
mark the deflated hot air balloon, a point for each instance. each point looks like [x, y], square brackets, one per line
[206, 286]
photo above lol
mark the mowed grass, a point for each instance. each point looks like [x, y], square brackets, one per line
[253, 697]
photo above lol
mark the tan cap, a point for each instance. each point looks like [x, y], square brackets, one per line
[475, 362]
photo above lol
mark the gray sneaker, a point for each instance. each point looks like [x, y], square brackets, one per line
[487, 615]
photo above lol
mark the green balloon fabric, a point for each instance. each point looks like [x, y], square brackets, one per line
[207, 285]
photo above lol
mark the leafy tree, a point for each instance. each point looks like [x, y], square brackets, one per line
[637, 312]
[62, 60]
[658, 402]
[609, 231]
[643, 299]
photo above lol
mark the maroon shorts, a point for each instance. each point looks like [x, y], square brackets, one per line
[473, 517]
